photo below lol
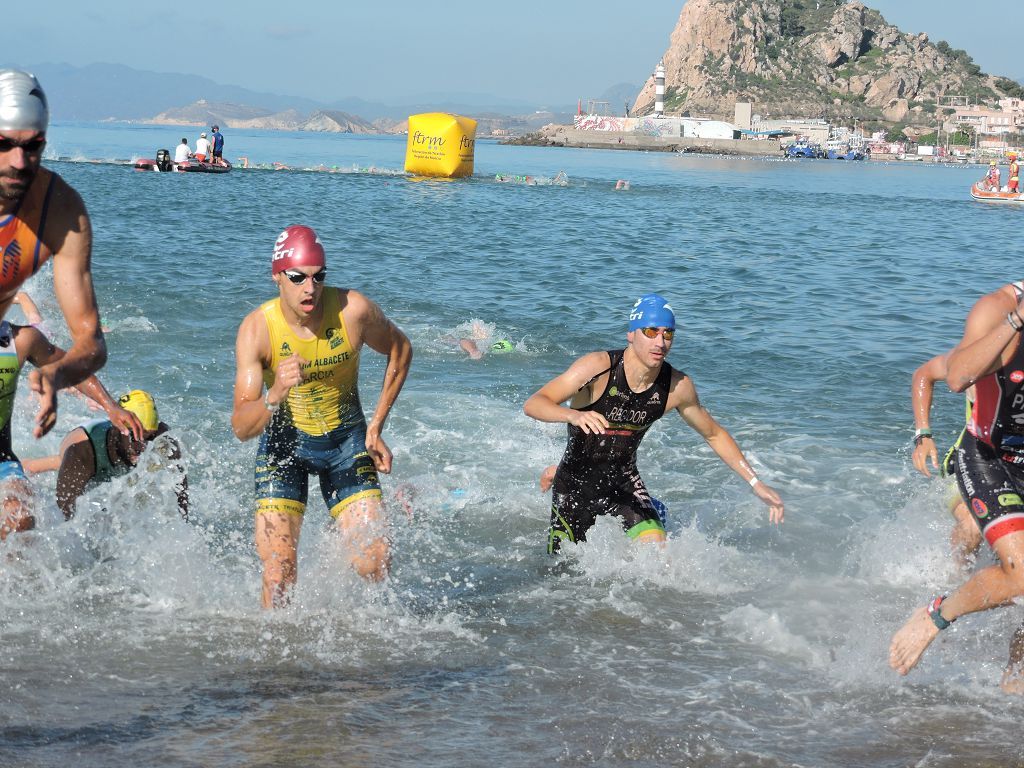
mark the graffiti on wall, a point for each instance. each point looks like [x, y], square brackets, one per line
[599, 123]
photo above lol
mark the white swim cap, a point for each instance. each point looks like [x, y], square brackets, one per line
[22, 102]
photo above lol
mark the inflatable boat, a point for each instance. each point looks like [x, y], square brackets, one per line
[978, 192]
[164, 164]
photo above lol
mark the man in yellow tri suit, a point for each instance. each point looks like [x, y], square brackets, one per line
[303, 348]
[42, 216]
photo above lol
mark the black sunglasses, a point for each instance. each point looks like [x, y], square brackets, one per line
[32, 145]
[298, 278]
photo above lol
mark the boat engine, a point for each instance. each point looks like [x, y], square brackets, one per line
[163, 160]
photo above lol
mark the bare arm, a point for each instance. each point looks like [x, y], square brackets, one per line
[77, 468]
[684, 398]
[574, 384]
[28, 307]
[250, 415]
[383, 336]
[72, 283]
[988, 343]
[922, 389]
[41, 352]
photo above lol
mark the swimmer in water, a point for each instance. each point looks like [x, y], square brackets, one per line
[98, 451]
[18, 344]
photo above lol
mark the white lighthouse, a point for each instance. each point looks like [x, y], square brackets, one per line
[659, 90]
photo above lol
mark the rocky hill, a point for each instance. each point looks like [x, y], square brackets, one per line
[226, 115]
[812, 58]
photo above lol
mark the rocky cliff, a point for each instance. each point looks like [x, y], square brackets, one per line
[811, 58]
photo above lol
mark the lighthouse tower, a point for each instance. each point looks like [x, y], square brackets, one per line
[659, 90]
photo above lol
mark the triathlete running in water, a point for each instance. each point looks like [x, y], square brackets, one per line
[19, 344]
[990, 473]
[42, 216]
[296, 388]
[614, 397]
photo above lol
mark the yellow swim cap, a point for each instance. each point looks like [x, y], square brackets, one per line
[141, 404]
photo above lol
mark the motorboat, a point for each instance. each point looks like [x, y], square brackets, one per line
[163, 164]
[979, 192]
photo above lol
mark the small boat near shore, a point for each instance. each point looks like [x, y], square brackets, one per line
[994, 195]
[163, 164]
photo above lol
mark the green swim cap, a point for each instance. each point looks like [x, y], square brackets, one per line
[502, 346]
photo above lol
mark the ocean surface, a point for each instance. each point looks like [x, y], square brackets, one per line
[806, 291]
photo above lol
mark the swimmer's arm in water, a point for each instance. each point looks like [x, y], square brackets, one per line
[988, 342]
[77, 468]
[576, 384]
[42, 352]
[382, 336]
[69, 236]
[683, 397]
[922, 388]
[250, 414]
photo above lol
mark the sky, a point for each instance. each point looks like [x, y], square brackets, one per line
[545, 53]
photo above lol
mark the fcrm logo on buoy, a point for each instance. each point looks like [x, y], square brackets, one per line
[466, 143]
[430, 141]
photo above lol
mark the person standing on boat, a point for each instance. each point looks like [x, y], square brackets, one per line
[614, 397]
[202, 148]
[1014, 174]
[990, 473]
[182, 152]
[41, 216]
[296, 388]
[218, 145]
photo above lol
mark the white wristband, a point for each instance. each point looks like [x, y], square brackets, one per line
[753, 481]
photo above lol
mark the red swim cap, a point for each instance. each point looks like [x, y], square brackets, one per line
[297, 246]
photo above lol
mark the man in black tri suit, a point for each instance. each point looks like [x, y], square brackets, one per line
[614, 397]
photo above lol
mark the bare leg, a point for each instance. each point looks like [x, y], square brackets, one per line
[17, 506]
[277, 543]
[988, 588]
[363, 530]
[1013, 677]
[965, 537]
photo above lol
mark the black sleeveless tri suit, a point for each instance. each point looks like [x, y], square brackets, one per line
[598, 473]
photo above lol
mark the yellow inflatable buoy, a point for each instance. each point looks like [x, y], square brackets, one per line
[440, 144]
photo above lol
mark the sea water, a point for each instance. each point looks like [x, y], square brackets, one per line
[806, 293]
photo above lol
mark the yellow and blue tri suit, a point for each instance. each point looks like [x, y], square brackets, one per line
[320, 428]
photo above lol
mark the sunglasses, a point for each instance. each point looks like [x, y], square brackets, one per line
[32, 145]
[298, 278]
[652, 333]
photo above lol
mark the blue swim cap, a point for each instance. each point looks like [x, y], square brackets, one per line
[651, 311]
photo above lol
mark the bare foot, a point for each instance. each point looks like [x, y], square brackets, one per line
[911, 641]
